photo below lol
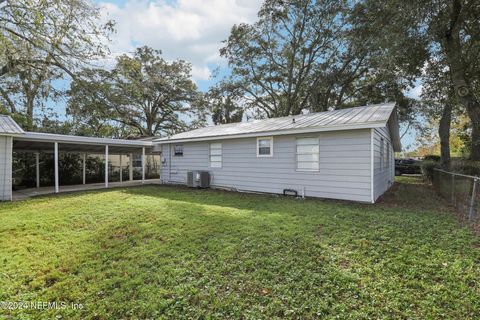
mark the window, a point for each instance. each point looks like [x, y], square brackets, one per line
[308, 154]
[178, 150]
[265, 147]
[382, 154]
[215, 155]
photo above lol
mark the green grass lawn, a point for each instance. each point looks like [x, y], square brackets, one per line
[171, 252]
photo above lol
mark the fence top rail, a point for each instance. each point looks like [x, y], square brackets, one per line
[458, 174]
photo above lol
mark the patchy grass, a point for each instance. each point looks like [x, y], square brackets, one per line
[170, 252]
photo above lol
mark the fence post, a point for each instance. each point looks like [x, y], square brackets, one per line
[472, 200]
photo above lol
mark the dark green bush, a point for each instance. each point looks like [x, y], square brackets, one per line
[468, 167]
[428, 167]
[432, 157]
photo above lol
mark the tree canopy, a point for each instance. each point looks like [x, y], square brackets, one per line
[43, 41]
[143, 95]
[446, 32]
[311, 55]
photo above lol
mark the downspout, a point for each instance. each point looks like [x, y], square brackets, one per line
[372, 165]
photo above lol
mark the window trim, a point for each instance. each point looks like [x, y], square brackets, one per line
[210, 155]
[271, 147]
[296, 155]
[178, 155]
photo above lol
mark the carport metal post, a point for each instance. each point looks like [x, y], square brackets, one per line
[106, 166]
[143, 165]
[84, 158]
[472, 200]
[130, 167]
[56, 165]
[37, 168]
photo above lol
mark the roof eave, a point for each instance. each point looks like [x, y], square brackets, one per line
[370, 125]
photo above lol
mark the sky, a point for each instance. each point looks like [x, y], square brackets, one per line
[192, 30]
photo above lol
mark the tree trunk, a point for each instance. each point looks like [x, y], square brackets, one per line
[463, 89]
[474, 114]
[29, 112]
[444, 134]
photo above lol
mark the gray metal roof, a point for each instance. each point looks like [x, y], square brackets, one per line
[342, 119]
[9, 126]
[62, 138]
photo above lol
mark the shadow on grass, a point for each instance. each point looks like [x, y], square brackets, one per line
[412, 193]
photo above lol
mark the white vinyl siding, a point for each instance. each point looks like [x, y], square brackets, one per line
[265, 147]
[215, 155]
[308, 155]
[6, 168]
[384, 168]
[343, 169]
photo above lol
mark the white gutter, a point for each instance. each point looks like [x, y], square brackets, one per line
[274, 133]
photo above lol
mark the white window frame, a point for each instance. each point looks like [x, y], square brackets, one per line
[183, 150]
[317, 169]
[210, 155]
[258, 147]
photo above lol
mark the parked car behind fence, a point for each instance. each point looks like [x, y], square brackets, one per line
[407, 166]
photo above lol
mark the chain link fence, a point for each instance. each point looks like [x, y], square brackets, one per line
[460, 190]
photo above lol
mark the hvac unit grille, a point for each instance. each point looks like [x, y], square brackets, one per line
[198, 179]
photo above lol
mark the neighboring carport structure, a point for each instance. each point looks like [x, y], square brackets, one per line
[14, 140]
[8, 130]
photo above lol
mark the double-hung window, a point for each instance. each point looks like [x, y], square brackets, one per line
[308, 154]
[215, 155]
[265, 147]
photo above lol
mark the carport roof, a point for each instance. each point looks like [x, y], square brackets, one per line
[35, 141]
[61, 138]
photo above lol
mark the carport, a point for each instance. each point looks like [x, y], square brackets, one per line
[14, 141]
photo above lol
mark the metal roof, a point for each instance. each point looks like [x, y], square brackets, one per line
[8, 126]
[61, 138]
[40, 141]
[343, 119]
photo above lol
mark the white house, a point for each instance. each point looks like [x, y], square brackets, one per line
[343, 154]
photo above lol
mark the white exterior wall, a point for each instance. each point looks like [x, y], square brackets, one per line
[344, 166]
[5, 168]
[384, 176]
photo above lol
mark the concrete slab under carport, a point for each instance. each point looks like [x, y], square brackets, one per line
[33, 192]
